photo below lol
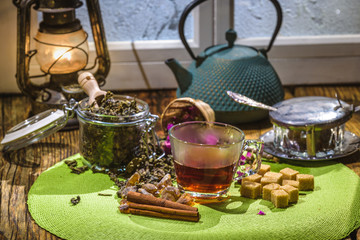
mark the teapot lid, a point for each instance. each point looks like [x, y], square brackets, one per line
[233, 53]
[230, 51]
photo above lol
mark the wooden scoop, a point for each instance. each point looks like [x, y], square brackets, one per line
[90, 86]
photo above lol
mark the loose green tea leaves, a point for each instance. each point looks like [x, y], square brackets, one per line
[115, 179]
[75, 201]
[108, 105]
[151, 170]
[79, 170]
[105, 194]
[96, 169]
[147, 176]
[72, 164]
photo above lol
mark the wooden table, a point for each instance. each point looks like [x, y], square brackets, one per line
[19, 169]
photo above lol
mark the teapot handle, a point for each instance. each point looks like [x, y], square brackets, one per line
[195, 3]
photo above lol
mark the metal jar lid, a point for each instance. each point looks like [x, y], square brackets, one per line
[313, 111]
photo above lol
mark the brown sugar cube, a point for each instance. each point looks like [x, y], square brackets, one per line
[252, 178]
[250, 189]
[280, 198]
[266, 191]
[277, 176]
[291, 183]
[264, 168]
[306, 182]
[267, 180]
[289, 174]
[292, 191]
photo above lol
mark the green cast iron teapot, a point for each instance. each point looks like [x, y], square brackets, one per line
[237, 68]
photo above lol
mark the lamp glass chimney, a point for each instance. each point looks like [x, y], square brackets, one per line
[62, 53]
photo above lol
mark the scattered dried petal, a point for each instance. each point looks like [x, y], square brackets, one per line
[169, 126]
[166, 145]
[261, 213]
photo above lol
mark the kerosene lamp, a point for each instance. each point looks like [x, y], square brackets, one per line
[61, 49]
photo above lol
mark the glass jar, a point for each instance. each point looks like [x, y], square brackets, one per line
[106, 142]
[310, 141]
[111, 142]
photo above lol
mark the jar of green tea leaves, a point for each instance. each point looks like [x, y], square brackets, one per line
[115, 132]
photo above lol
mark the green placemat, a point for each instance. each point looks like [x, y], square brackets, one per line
[331, 211]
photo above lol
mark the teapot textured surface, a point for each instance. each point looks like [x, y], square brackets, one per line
[251, 75]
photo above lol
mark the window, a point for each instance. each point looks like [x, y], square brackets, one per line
[319, 41]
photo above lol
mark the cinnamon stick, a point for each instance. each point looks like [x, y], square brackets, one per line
[162, 215]
[163, 209]
[136, 197]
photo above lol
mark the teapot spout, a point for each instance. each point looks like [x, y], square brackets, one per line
[182, 76]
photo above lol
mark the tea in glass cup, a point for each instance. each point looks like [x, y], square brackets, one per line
[206, 157]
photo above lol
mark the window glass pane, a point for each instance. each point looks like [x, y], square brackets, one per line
[129, 20]
[257, 18]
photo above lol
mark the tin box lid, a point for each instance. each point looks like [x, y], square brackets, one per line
[315, 111]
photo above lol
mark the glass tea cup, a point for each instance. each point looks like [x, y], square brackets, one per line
[207, 155]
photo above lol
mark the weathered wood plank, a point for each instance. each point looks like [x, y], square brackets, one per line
[345, 93]
[14, 172]
[15, 109]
